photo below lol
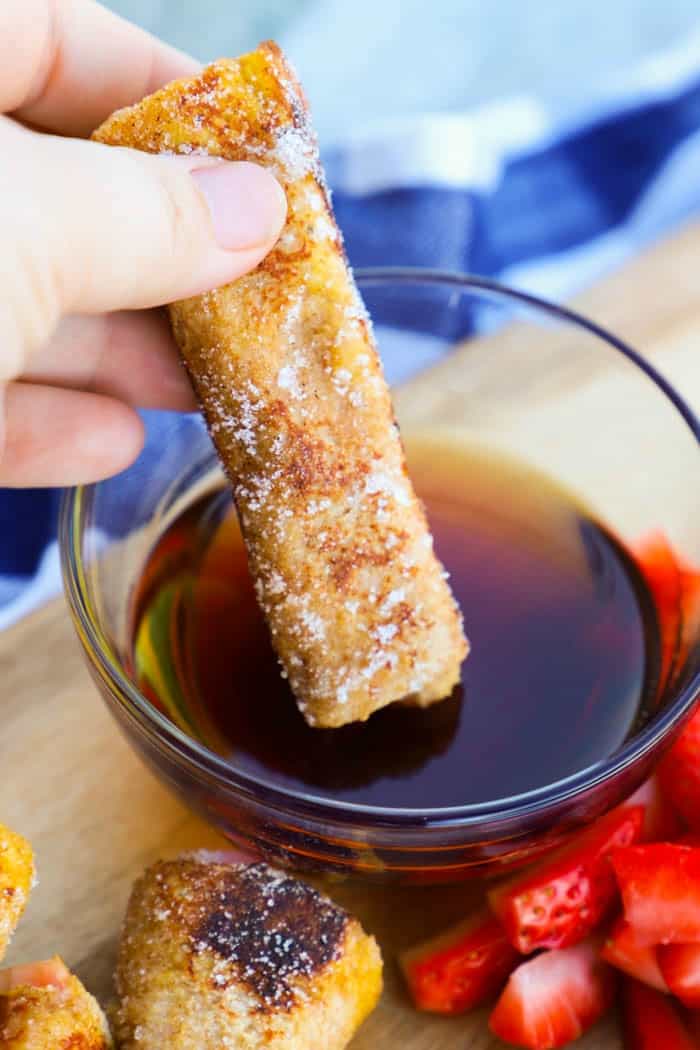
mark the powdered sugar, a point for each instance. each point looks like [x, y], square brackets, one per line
[324, 229]
[385, 632]
[394, 598]
[382, 481]
[328, 513]
[266, 930]
[275, 584]
[314, 625]
[294, 152]
[288, 379]
[313, 198]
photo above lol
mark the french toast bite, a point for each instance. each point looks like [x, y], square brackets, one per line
[288, 375]
[44, 1007]
[241, 956]
[17, 877]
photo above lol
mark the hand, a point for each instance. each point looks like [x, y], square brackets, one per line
[91, 235]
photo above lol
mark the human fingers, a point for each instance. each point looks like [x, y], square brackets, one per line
[64, 437]
[128, 355]
[89, 228]
[65, 65]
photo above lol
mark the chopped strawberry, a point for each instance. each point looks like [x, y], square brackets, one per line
[460, 968]
[51, 973]
[679, 772]
[692, 1021]
[663, 578]
[690, 610]
[661, 822]
[660, 886]
[554, 998]
[623, 950]
[680, 965]
[559, 901]
[651, 1021]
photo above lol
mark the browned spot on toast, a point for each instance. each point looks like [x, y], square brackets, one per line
[272, 929]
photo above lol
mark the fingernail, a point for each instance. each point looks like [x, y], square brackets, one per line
[246, 203]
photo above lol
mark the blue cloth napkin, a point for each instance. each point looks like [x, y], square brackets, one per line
[506, 191]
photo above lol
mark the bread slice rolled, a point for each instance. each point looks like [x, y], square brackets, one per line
[43, 1006]
[240, 956]
[287, 372]
[17, 877]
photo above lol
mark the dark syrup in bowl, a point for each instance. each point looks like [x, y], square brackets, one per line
[564, 662]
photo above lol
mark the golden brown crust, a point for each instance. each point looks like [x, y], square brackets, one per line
[16, 880]
[287, 371]
[52, 1018]
[241, 956]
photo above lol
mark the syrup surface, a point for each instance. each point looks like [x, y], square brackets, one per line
[563, 665]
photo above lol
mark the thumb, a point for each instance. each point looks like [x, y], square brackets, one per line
[91, 228]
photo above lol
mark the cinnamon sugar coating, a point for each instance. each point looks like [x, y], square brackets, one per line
[52, 1017]
[288, 375]
[240, 956]
[17, 875]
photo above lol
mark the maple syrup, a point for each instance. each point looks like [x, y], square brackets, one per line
[564, 661]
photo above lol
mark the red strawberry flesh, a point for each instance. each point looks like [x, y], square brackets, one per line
[679, 772]
[680, 965]
[660, 886]
[623, 950]
[663, 578]
[562, 899]
[457, 970]
[554, 998]
[661, 821]
[651, 1021]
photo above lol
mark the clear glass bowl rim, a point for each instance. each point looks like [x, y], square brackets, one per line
[183, 748]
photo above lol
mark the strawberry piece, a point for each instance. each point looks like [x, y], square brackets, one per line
[663, 578]
[661, 822]
[554, 998]
[660, 886]
[460, 968]
[679, 772]
[688, 838]
[680, 965]
[623, 950]
[690, 610]
[651, 1022]
[692, 1021]
[561, 900]
[51, 973]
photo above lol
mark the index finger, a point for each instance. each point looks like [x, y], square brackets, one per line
[65, 65]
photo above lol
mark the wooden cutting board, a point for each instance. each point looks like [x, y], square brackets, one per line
[96, 817]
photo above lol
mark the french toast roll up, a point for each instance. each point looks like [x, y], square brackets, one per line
[17, 876]
[44, 1007]
[287, 372]
[244, 956]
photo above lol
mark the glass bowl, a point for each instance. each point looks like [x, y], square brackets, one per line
[514, 373]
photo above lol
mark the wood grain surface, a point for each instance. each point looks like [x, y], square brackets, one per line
[96, 817]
